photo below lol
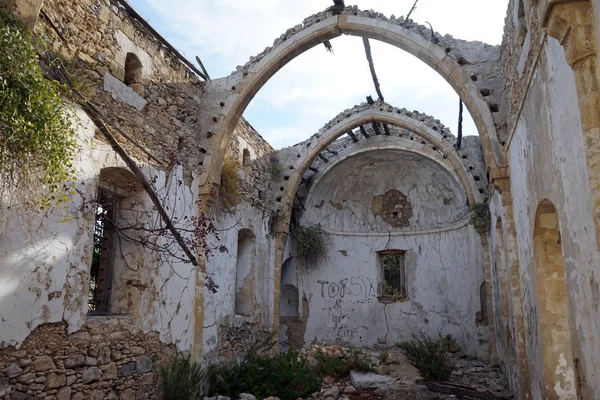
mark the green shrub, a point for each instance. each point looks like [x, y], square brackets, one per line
[182, 379]
[430, 356]
[383, 357]
[329, 365]
[481, 217]
[287, 376]
[38, 138]
[313, 245]
[338, 367]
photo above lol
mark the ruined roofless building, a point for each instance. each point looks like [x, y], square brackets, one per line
[496, 243]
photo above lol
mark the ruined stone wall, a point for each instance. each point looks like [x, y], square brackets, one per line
[547, 162]
[106, 359]
[442, 254]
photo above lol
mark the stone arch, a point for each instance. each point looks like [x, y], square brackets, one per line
[553, 320]
[300, 157]
[235, 92]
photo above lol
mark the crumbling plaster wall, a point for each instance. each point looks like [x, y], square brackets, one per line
[547, 161]
[46, 263]
[443, 256]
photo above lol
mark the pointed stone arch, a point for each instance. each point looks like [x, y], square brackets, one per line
[228, 97]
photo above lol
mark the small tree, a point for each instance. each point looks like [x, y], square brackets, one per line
[312, 245]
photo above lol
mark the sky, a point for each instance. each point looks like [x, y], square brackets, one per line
[317, 85]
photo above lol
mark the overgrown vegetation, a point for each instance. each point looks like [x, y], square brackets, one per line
[481, 217]
[229, 190]
[338, 367]
[312, 245]
[276, 168]
[430, 356]
[182, 379]
[287, 376]
[38, 139]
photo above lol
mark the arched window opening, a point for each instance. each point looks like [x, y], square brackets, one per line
[246, 158]
[115, 185]
[133, 73]
[245, 273]
[553, 322]
[289, 301]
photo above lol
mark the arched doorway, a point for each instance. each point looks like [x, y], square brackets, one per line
[558, 364]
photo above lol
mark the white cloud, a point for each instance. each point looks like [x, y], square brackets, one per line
[317, 85]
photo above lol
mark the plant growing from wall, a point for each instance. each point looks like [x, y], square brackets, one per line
[481, 217]
[312, 245]
[38, 139]
[277, 169]
[430, 356]
[229, 189]
[182, 379]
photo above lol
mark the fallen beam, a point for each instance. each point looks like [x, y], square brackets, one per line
[386, 129]
[376, 128]
[363, 131]
[459, 390]
[322, 157]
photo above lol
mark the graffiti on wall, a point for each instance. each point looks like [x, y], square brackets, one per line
[339, 297]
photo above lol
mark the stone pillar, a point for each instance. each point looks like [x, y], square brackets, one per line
[26, 10]
[501, 180]
[490, 303]
[207, 200]
[281, 233]
[572, 23]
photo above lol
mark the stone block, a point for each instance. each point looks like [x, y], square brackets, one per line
[43, 363]
[361, 380]
[110, 371]
[20, 396]
[91, 374]
[14, 370]
[75, 360]
[26, 379]
[144, 364]
[127, 369]
[54, 380]
[64, 393]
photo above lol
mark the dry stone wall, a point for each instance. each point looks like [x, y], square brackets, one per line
[107, 359]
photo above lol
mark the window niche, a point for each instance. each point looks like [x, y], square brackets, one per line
[134, 73]
[245, 271]
[392, 275]
[110, 290]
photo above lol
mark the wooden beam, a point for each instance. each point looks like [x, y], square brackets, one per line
[322, 157]
[352, 136]
[372, 67]
[386, 128]
[364, 132]
[376, 128]
[459, 390]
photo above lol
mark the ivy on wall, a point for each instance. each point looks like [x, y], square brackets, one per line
[38, 138]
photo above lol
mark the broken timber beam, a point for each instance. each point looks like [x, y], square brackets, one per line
[364, 132]
[372, 67]
[376, 128]
[322, 157]
[459, 390]
[386, 128]
[352, 136]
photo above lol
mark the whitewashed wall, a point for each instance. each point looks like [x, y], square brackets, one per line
[443, 254]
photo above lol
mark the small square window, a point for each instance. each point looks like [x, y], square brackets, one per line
[393, 274]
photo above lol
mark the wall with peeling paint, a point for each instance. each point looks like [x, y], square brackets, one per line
[45, 263]
[443, 254]
[547, 161]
